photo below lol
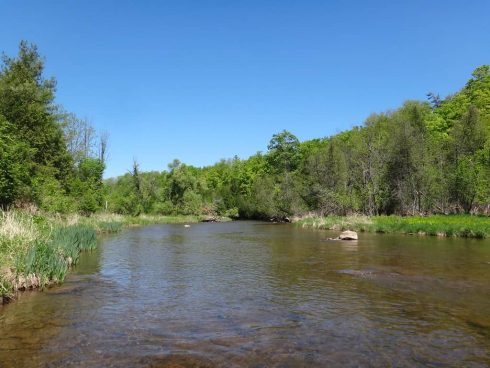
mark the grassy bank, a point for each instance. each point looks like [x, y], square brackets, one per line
[37, 250]
[439, 225]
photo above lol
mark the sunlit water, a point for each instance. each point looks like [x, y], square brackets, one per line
[247, 294]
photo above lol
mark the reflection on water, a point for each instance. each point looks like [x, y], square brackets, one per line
[248, 294]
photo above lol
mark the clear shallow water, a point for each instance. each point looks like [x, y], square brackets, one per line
[247, 294]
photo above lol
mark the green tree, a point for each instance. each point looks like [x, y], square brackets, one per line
[30, 116]
[27, 102]
[404, 175]
[467, 143]
[14, 169]
[283, 155]
[91, 171]
[185, 188]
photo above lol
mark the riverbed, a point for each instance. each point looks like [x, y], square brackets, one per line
[251, 294]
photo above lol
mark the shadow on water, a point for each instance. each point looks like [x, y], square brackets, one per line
[246, 294]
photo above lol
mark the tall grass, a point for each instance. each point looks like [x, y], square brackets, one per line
[71, 240]
[40, 265]
[160, 219]
[467, 226]
[5, 288]
[36, 251]
[47, 260]
[101, 223]
[109, 227]
[17, 225]
[18, 234]
[358, 223]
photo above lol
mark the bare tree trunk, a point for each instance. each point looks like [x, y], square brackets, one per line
[104, 140]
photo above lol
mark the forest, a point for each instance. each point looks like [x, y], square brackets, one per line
[425, 157]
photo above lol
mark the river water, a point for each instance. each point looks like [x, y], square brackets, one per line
[248, 294]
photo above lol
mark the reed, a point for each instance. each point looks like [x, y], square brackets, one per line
[71, 240]
[41, 265]
[109, 227]
[36, 250]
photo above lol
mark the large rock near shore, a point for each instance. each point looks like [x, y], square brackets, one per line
[348, 235]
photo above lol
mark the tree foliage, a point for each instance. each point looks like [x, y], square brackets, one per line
[40, 159]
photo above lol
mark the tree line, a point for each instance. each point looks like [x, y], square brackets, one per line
[425, 157]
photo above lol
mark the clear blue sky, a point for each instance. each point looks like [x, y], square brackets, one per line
[204, 80]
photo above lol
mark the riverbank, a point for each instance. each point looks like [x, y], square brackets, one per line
[37, 250]
[466, 226]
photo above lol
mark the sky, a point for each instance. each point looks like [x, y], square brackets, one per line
[206, 80]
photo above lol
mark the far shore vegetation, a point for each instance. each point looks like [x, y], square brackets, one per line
[423, 168]
[466, 226]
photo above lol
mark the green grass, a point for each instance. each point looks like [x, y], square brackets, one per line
[5, 288]
[109, 222]
[160, 219]
[37, 250]
[109, 227]
[357, 223]
[42, 264]
[48, 259]
[71, 240]
[156, 219]
[466, 226]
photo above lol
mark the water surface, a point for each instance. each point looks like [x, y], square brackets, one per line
[248, 294]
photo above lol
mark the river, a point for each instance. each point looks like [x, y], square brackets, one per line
[250, 294]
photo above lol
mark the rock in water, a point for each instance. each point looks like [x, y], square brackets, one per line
[348, 235]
